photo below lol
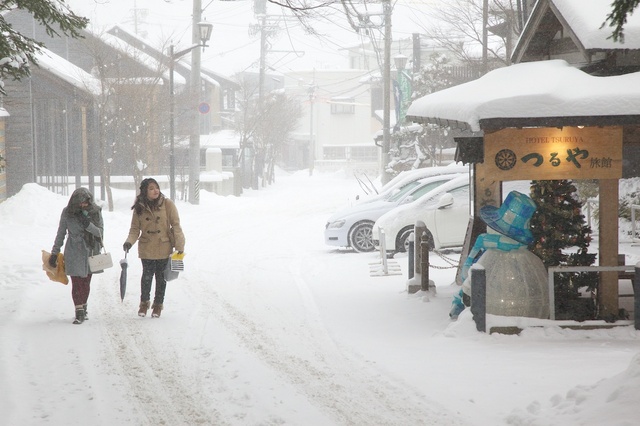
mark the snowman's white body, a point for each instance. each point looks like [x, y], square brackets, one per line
[516, 283]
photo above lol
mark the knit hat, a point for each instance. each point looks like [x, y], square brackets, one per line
[512, 218]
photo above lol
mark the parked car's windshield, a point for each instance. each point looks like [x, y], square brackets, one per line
[419, 192]
[401, 193]
[458, 193]
[461, 194]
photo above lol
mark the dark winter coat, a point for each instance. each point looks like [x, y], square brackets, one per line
[81, 242]
[157, 231]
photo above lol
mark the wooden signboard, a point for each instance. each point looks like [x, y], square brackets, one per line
[3, 174]
[553, 153]
[546, 154]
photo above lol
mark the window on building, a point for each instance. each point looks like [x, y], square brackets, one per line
[334, 153]
[343, 106]
[228, 160]
[364, 153]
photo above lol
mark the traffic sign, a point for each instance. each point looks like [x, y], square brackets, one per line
[204, 108]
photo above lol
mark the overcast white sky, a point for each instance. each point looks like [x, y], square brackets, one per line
[233, 47]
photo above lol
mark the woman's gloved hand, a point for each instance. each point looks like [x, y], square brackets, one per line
[53, 260]
[126, 246]
[84, 218]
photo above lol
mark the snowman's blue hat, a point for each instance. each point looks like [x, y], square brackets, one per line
[512, 218]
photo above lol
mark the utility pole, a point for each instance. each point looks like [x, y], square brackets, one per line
[386, 94]
[312, 145]
[362, 21]
[485, 36]
[194, 99]
[416, 53]
[263, 53]
[258, 164]
[267, 27]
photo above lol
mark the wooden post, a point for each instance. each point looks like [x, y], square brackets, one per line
[418, 229]
[415, 259]
[3, 153]
[479, 297]
[608, 289]
[424, 262]
[636, 297]
[411, 255]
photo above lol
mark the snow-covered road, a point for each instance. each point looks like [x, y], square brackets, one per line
[241, 341]
[268, 326]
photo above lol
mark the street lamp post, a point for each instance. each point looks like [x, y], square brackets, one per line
[386, 94]
[205, 29]
[312, 148]
[400, 61]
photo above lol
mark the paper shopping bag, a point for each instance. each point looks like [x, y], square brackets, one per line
[55, 274]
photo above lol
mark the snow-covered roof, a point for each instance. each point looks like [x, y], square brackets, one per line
[585, 17]
[137, 52]
[203, 76]
[554, 24]
[222, 139]
[68, 72]
[533, 94]
[139, 56]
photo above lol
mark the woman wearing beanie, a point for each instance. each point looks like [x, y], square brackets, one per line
[81, 222]
[155, 224]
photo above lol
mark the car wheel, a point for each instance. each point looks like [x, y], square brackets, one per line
[361, 237]
[402, 241]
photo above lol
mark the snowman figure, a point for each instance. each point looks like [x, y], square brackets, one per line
[516, 278]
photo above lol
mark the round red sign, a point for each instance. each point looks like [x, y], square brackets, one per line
[203, 108]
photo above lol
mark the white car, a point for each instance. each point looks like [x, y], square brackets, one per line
[351, 227]
[408, 176]
[445, 212]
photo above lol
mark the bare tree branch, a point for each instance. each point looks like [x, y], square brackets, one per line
[301, 6]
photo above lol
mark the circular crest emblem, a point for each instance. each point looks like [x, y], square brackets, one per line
[506, 159]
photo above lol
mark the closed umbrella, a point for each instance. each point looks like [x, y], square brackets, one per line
[123, 276]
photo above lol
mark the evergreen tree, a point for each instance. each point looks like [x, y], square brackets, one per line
[435, 75]
[415, 146]
[618, 17]
[562, 237]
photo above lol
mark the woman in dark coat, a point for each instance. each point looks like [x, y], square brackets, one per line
[81, 223]
[155, 224]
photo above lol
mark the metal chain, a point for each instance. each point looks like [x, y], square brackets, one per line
[452, 262]
[441, 267]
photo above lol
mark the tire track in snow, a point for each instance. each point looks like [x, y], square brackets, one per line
[336, 383]
[162, 393]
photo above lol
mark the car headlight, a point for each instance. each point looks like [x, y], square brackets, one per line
[336, 224]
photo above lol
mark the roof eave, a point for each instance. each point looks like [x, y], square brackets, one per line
[564, 121]
[443, 122]
[539, 9]
[497, 123]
